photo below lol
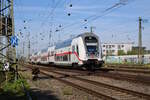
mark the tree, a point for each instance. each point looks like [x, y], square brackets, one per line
[121, 52]
[133, 52]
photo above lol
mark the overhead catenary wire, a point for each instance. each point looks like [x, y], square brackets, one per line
[50, 14]
[95, 16]
[111, 9]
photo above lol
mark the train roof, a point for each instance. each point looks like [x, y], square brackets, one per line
[44, 50]
[69, 41]
[64, 44]
[86, 34]
[35, 53]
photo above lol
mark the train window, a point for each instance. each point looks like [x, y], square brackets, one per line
[59, 58]
[77, 50]
[65, 58]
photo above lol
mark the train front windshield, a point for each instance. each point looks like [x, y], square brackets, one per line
[92, 49]
[91, 44]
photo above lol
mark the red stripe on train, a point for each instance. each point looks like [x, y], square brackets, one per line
[62, 54]
[67, 53]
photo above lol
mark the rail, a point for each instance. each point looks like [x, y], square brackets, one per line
[129, 92]
[141, 95]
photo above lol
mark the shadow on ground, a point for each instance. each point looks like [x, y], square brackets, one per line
[43, 77]
[11, 96]
[36, 94]
[42, 95]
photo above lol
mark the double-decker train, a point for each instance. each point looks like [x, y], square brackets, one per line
[81, 51]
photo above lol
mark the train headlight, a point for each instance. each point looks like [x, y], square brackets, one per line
[98, 54]
[87, 54]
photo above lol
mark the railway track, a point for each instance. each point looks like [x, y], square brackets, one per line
[129, 70]
[140, 68]
[125, 77]
[98, 89]
[128, 66]
[145, 80]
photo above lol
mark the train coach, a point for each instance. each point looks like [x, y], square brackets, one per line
[81, 51]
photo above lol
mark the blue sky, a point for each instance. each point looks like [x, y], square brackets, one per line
[118, 25]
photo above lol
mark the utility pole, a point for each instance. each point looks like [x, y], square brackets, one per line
[7, 28]
[140, 42]
[23, 49]
[50, 35]
[13, 30]
[29, 47]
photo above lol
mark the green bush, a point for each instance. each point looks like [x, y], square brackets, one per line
[16, 87]
[0, 66]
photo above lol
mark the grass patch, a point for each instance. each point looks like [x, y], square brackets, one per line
[67, 90]
[85, 98]
[148, 65]
[1, 66]
[15, 87]
[2, 77]
[14, 90]
[27, 75]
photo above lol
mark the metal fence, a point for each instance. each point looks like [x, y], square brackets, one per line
[133, 59]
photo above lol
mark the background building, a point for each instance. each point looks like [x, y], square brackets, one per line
[116, 48]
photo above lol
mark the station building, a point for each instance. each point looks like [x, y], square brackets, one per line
[113, 48]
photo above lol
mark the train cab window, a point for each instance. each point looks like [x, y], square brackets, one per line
[77, 50]
[92, 48]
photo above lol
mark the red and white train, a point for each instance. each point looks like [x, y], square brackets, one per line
[81, 51]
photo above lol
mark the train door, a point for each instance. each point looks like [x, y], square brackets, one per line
[69, 56]
[73, 55]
